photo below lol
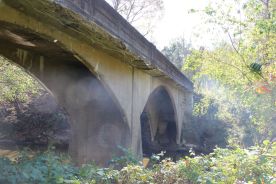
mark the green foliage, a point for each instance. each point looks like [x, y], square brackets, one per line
[124, 160]
[155, 158]
[239, 74]
[177, 51]
[15, 84]
[42, 168]
[49, 167]
[133, 174]
[256, 67]
[92, 174]
[201, 108]
[254, 165]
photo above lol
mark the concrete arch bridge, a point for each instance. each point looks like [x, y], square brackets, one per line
[117, 88]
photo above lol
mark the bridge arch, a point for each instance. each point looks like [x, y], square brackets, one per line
[99, 124]
[159, 122]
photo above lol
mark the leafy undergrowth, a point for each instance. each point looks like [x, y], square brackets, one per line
[254, 165]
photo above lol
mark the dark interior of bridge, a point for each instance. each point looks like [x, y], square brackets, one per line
[158, 124]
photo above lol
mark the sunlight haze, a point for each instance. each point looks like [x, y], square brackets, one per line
[178, 22]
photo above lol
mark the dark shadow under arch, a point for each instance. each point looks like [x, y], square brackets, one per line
[97, 120]
[158, 123]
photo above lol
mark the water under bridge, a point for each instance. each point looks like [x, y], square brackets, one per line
[116, 87]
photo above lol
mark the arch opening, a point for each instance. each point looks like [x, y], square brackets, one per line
[29, 114]
[158, 123]
[97, 121]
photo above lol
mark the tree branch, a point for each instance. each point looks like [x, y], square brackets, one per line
[234, 66]
[236, 50]
[242, 58]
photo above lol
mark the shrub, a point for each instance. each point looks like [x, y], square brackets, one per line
[135, 174]
[256, 165]
[42, 168]
[121, 161]
[223, 166]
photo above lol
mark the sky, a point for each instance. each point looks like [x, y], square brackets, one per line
[178, 22]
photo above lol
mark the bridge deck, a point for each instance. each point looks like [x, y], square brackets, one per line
[113, 29]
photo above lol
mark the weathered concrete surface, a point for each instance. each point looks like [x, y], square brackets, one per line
[126, 78]
[103, 27]
[102, 14]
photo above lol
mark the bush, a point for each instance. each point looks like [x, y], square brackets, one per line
[254, 165]
[127, 158]
[42, 168]
[135, 174]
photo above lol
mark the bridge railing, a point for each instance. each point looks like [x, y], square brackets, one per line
[104, 15]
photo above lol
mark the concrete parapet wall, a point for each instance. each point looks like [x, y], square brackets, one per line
[101, 13]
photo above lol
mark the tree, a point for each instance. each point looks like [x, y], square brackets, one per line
[142, 14]
[243, 68]
[15, 84]
[177, 51]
